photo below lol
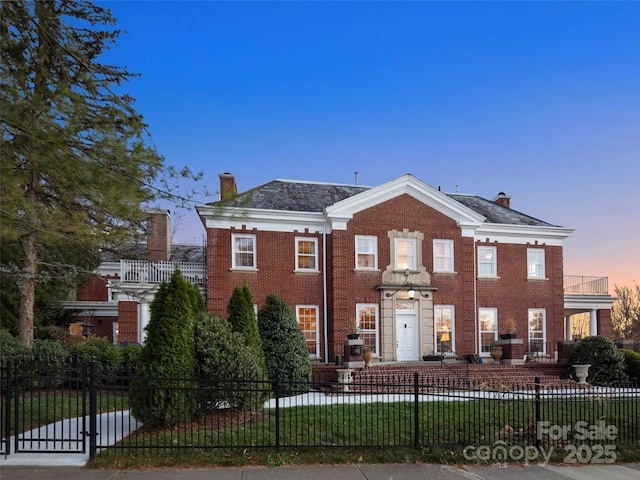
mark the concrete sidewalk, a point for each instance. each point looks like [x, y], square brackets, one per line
[336, 472]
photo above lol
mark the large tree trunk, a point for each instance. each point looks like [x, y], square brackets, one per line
[27, 287]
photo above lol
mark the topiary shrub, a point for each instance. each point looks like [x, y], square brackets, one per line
[607, 363]
[632, 365]
[164, 394]
[242, 319]
[231, 372]
[284, 345]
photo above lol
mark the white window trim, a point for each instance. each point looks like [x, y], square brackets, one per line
[530, 263]
[494, 263]
[315, 242]
[412, 240]
[375, 251]
[317, 331]
[234, 251]
[452, 332]
[544, 329]
[480, 331]
[449, 268]
[360, 306]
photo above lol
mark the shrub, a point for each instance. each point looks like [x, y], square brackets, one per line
[167, 358]
[632, 364]
[284, 345]
[10, 346]
[242, 319]
[108, 356]
[43, 362]
[222, 354]
[59, 334]
[607, 363]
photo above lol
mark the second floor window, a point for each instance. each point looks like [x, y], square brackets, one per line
[443, 255]
[366, 252]
[306, 254]
[535, 263]
[244, 251]
[405, 253]
[487, 262]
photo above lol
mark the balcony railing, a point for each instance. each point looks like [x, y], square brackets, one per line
[584, 285]
[142, 271]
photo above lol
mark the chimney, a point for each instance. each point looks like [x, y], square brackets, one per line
[158, 235]
[228, 188]
[503, 199]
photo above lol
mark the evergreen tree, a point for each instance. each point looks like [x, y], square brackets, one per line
[167, 360]
[76, 164]
[242, 319]
[284, 345]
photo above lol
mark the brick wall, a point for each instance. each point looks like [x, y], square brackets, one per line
[128, 321]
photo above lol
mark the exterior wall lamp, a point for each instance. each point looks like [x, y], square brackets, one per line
[411, 291]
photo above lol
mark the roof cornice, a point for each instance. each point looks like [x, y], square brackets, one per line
[522, 234]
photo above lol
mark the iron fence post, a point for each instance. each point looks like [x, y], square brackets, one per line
[537, 384]
[276, 392]
[7, 411]
[93, 410]
[416, 412]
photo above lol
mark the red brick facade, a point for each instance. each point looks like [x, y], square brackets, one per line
[510, 292]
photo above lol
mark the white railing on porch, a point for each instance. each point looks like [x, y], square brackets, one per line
[142, 271]
[585, 285]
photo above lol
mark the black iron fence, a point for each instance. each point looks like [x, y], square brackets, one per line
[78, 408]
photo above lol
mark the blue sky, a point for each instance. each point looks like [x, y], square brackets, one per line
[539, 100]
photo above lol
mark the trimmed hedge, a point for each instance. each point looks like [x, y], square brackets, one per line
[632, 364]
[607, 363]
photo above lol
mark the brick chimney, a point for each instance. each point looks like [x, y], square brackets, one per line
[503, 199]
[228, 188]
[158, 235]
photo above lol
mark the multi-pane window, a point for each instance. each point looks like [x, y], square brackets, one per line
[366, 252]
[367, 315]
[487, 262]
[444, 322]
[405, 253]
[443, 255]
[306, 253]
[308, 321]
[488, 326]
[244, 251]
[113, 289]
[535, 263]
[537, 343]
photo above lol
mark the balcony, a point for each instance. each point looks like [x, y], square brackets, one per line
[585, 285]
[142, 271]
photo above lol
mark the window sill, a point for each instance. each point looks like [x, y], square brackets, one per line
[537, 279]
[244, 269]
[308, 272]
[444, 273]
[366, 270]
[488, 278]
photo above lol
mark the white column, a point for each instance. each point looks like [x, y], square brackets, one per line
[143, 320]
[569, 328]
[593, 323]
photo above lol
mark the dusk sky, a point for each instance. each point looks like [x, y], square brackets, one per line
[538, 100]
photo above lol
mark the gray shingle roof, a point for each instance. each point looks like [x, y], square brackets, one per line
[303, 196]
[138, 251]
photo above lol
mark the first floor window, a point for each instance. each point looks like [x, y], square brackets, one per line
[366, 252]
[443, 255]
[444, 323]
[488, 323]
[535, 263]
[244, 251]
[367, 315]
[306, 254]
[537, 343]
[487, 262]
[308, 321]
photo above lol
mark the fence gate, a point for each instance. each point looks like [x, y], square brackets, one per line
[46, 408]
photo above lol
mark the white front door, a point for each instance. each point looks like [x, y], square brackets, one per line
[406, 336]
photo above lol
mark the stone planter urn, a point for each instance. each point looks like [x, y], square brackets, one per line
[582, 372]
[496, 354]
[368, 357]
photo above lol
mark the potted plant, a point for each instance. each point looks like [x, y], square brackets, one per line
[353, 330]
[509, 329]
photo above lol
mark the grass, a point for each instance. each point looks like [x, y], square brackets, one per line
[445, 428]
